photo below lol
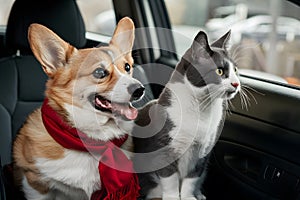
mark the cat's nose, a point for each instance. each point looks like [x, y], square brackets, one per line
[235, 85]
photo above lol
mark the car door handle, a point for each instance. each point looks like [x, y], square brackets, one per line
[244, 164]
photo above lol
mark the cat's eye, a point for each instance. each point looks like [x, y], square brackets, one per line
[100, 73]
[235, 69]
[127, 67]
[219, 71]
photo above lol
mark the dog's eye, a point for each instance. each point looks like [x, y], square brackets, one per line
[127, 67]
[100, 73]
[219, 71]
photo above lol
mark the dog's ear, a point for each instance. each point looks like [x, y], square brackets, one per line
[49, 49]
[123, 36]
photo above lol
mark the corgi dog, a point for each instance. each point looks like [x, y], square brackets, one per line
[67, 147]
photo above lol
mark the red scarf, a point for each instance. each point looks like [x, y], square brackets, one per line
[117, 181]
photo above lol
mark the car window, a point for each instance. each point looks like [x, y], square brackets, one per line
[4, 11]
[265, 39]
[98, 15]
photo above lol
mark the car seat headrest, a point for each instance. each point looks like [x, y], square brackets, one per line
[61, 16]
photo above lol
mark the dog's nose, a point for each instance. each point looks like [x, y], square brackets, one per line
[136, 91]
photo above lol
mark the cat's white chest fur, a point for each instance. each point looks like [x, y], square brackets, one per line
[196, 122]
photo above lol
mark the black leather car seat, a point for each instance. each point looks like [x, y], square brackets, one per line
[22, 81]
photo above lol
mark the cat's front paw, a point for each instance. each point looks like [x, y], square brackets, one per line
[198, 197]
[189, 198]
[170, 198]
[201, 197]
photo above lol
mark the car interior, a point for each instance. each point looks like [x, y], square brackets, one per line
[258, 153]
[22, 79]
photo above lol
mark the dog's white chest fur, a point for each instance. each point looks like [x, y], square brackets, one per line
[76, 169]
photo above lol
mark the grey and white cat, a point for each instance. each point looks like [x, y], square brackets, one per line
[176, 133]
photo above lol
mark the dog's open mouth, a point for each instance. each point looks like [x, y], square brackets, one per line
[105, 105]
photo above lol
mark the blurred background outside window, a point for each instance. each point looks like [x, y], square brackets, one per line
[98, 15]
[265, 39]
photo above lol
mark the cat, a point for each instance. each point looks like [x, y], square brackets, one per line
[175, 133]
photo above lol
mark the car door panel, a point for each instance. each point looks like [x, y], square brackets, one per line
[258, 153]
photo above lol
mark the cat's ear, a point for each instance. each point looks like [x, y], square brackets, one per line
[200, 46]
[222, 42]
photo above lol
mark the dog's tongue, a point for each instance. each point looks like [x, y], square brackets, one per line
[127, 110]
[130, 112]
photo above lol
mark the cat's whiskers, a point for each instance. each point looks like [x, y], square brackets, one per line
[243, 58]
[254, 90]
[205, 97]
[229, 104]
[245, 102]
[201, 100]
[212, 96]
[235, 50]
[247, 91]
[246, 96]
[240, 48]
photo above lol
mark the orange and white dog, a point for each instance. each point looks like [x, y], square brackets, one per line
[88, 97]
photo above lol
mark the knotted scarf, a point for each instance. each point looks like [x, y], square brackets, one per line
[117, 181]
